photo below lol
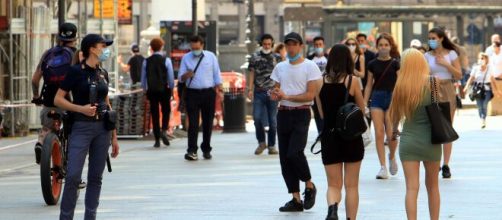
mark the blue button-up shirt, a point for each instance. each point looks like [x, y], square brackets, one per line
[170, 73]
[208, 74]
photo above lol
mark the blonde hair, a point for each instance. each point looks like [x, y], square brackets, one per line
[411, 84]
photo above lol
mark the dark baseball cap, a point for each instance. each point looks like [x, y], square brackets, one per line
[92, 39]
[134, 48]
[293, 36]
[67, 32]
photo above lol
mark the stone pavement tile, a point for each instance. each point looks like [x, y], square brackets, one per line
[152, 183]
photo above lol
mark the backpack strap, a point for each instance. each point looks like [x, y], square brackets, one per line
[348, 90]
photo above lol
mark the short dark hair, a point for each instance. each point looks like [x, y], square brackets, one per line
[156, 44]
[318, 38]
[196, 38]
[266, 36]
[362, 35]
[340, 62]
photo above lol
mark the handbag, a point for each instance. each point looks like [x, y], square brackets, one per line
[478, 89]
[442, 131]
[110, 120]
[367, 137]
[182, 105]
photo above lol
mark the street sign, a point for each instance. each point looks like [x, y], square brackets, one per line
[124, 10]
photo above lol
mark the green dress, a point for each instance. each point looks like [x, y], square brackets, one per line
[415, 142]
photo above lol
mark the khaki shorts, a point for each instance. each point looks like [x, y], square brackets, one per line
[447, 93]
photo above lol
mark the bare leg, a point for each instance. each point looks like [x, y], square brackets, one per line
[377, 116]
[352, 189]
[389, 129]
[431, 182]
[334, 174]
[412, 176]
[447, 148]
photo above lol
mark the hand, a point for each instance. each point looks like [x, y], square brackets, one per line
[88, 110]
[115, 147]
[119, 59]
[250, 94]
[187, 75]
[441, 61]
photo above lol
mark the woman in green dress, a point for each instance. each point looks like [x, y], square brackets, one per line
[411, 94]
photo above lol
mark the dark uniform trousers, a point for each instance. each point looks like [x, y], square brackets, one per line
[200, 102]
[163, 98]
[292, 132]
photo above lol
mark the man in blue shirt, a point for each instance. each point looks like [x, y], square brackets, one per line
[200, 72]
[157, 80]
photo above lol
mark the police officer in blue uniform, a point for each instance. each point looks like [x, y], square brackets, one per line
[87, 82]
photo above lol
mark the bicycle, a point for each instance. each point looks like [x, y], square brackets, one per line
[54, 157]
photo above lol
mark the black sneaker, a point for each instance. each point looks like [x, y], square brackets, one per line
[157, 144]
[292, 206]
[165, 140]
[191, 156]
[38, 152]
[446, 171]
[332, 212]
[309, 197]
[207, 155]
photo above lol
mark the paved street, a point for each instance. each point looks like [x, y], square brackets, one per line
[150, 183]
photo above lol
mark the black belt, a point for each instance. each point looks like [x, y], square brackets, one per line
[200, 90]
[498, 78]
[82, 117]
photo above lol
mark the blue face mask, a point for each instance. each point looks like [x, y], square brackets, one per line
[319, 50]
[295, 58]
[197, 52]
[105, 54]
[433, 44]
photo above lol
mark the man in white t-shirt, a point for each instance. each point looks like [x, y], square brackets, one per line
[495, 38]
[298, 81]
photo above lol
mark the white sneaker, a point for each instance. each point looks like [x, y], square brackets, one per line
[383, 173]
[393, 166]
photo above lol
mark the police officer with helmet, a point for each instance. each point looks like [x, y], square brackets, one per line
[91, 133]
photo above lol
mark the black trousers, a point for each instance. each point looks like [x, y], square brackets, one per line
[163, 98]
[200, 102]
[292, 130]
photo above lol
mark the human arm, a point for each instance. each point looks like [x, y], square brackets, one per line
[115, 143]
[216, 75]
[251, 84]
[125, 66]
[454, 68]
[369, 87]
[313, 88]
[170, 73]
[144, 85]
[362, 67]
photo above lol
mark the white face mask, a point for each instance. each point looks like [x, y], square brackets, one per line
[352, 48]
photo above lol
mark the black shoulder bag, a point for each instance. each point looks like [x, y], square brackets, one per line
[442, 131]
[478, 89]
[182, 105]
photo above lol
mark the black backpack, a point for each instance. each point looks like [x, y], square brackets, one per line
[55, 66]
[349, 119]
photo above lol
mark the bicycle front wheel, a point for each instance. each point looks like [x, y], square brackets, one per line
[51, 169]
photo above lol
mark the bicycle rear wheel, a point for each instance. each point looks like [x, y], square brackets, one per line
[50, 169]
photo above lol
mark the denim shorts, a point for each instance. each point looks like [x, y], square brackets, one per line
[380, 99]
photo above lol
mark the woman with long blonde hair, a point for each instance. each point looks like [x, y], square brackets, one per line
[411, 94]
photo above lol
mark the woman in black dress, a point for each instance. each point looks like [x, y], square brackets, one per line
[341, 158]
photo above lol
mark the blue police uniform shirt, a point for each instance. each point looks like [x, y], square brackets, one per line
[78, 80]
[170, 73]
[208, 74]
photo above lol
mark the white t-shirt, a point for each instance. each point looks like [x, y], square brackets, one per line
[496, 64]
[321, 62]
[440, 71]
[294, 79]
[479, 76]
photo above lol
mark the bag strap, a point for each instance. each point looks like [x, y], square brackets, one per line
[434, 92]
[486, 73]
[383, 74]
[348, 90]
[195, 70]
[315, 142]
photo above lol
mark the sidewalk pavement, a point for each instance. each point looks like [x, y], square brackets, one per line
[148, 183]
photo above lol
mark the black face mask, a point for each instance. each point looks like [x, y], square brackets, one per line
[497, 44]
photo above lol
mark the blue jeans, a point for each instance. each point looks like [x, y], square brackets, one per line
[482, 103]
[263, 106]
[87, 137]
[381, 99]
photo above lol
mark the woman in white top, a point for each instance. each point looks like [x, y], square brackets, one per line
[482, 75]
[444, 65]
